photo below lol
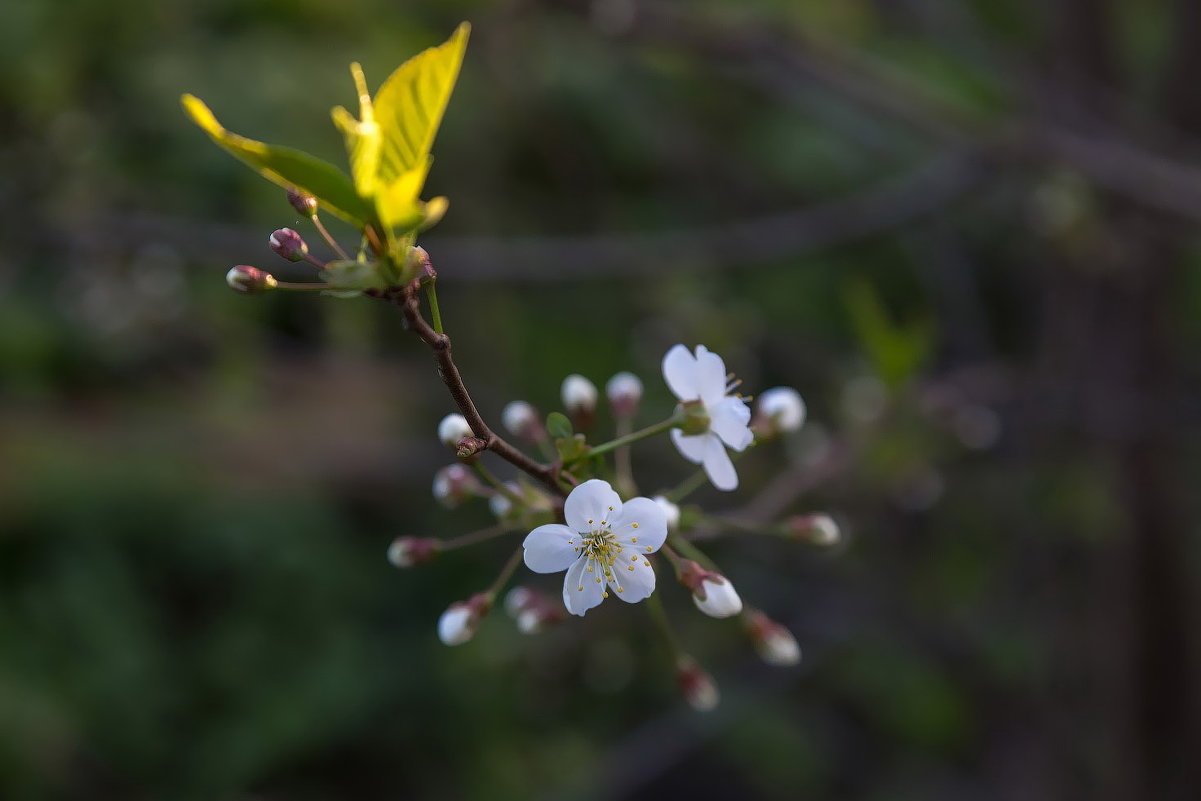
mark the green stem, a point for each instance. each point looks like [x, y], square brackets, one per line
[302, 287]
[687, 487]
[435, 312]
[329, 240]
[506, 572]
[692, 552]
[649, 431]
[488, 476]
[623, 463]
[655, 608]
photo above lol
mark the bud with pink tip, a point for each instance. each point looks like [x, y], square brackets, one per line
[579, 399]
[818, 529]
[698, 687]
[288, 244]
[461, 620]
[303, 202]
[452, 429]
[522, 420]
[624, 392]
[779, 411]
[532, 610]
[712, 592]
[455, 484]
[409, 551]
[250, 280]
[774, 643]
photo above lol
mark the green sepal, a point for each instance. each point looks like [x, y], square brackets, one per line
[354, 275]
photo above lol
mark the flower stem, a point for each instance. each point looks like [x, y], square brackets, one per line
[622, 463]
[333, 243]
[692, 552]
[474, 537]
[655, 608]
[435, 312]
[687, 487]
[302, 287]
[506, 572]
[649, 431]
[483, 472]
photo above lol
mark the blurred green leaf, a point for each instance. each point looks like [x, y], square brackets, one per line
[285, 166]
[558, 425]
[896, 350]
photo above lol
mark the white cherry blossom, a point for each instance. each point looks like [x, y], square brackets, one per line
[602, 547]
[702, 379]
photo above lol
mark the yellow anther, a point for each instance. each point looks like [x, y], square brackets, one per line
[589, 522]
[610, 508]
[630, 568]
[648, 564]
[590, 570]
[598, 581]
[635, 525]
[633, 539]
[648, 549]
[621, 589]
[604, 522]
[580, 588]
[605, 594]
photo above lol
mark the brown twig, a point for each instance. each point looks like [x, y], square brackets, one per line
[408, 300]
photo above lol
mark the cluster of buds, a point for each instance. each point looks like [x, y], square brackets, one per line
[712, 592]
[532, 610]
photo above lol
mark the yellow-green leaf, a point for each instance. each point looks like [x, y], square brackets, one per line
[410, 104]
[397, 202]
[286, 166]
[363, 139]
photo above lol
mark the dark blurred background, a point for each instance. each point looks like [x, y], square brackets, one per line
[964, 230]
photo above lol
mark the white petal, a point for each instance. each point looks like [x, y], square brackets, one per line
[642, 520]
[634, 585]
[691, 448]
[679, 371]
[728, 419]
[589, 504]
[710, 376]
[457, 625]
[718, 466]
[551, 548]
[581, 590]
[784, 407]
[721, 599]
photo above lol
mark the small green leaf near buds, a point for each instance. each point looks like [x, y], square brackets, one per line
[250, 280]
[354, 275]
[288, 244]
[303, 202]
[558, 425]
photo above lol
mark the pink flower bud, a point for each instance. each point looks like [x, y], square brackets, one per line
[303, 202]
[452, 429]
[579, 400]
[779, 411]
[409, 551]
[712, 592]
[455, 484]
[624, 392]
[774, 643]
[698, 687]
[250, 280]
[288, 244]
[522, 420]
[461, 620]
[818, 529]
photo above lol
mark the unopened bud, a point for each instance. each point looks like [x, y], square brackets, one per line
[250, 280]
[779, 411]
[624, 392]
[521, 420]
[409, 551]
[303, 202]
[452, 429]
[774, 643]
[501, 504]
[532, 610]
[579, 399]
[454, 484]
[716, 597]
[461, 620]
[818, 529]
[288, 244]
[698, 687]
[670, 511]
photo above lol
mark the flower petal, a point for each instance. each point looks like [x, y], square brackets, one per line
[691, 448]
[581, 590]
[642, 526]
[551, 548]
[679, 371]
[728, 419]
[718, 466]
[589, 504]
[634, 585]
[710, 376]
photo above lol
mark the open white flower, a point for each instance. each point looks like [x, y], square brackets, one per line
[701, 379]
[604, 545]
